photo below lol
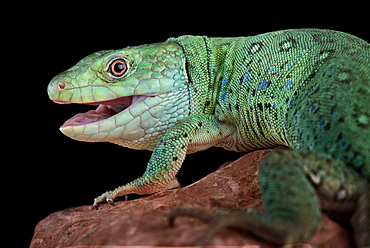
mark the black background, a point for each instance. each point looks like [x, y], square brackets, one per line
[49, 171]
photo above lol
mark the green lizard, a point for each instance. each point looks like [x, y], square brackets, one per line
[306, 89]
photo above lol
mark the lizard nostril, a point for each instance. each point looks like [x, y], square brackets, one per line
[61, 85]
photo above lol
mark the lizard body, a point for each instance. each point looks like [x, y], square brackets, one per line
[305, 89]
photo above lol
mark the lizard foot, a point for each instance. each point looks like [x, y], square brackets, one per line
[107, 196]
[132, 188]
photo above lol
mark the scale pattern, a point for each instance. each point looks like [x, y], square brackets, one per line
[306, 89]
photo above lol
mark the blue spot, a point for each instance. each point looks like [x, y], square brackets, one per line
[223, 97]
[274, 105]
[289, 64]
[313, 108]
[289, 83]
[224, 81]
[358, 161]
[246, 77]
[311, 144]
[335, 116]
[343, 143]
[272, 69]
[291, 101]
[262, 85]
[322, 122]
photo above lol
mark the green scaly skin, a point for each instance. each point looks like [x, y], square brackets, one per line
[307, 89]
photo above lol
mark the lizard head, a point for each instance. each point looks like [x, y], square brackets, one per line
[139, 92]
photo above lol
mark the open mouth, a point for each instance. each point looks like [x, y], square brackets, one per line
[105, 110]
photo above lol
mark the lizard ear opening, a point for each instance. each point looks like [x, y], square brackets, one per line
[118, 68]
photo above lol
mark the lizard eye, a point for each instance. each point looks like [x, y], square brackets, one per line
[118, 67]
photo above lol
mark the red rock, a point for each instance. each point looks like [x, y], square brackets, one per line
[144, 221]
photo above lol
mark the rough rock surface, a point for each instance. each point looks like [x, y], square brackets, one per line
[144, 221]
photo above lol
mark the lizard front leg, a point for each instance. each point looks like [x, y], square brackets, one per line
[193, 133]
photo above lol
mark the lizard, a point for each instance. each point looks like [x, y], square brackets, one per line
[306, 89]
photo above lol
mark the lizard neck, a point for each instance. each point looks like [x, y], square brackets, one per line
[204, 58]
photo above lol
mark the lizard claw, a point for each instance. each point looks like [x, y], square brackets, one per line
[110, 201]
[107, 196]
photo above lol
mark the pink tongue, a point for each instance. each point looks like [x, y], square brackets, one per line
[101, 113]
[85, 118]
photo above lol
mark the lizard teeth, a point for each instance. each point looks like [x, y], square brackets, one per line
[117, 108]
